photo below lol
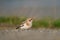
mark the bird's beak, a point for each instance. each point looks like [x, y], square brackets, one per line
[33, 18]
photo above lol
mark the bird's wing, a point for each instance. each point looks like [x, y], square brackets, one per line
[21, 25]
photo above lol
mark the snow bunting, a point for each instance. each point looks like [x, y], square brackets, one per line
[26, 24]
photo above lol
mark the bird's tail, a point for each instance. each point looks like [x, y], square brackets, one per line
[17, 27]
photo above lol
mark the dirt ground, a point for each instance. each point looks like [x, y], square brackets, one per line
[30, 35]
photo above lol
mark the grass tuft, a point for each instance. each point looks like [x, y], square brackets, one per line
[39, 23]
[56, 23]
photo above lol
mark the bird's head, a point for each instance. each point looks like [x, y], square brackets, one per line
[29, 19]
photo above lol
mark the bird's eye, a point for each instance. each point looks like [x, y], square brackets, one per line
[30, 19]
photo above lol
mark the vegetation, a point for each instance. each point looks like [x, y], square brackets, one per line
[56, 23]
[39, 23]
[12, 20]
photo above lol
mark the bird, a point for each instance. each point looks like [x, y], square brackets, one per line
[27, 24]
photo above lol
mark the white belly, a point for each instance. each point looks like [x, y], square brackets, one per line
[26, 27]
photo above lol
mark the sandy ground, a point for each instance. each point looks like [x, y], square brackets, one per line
[30, 35]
